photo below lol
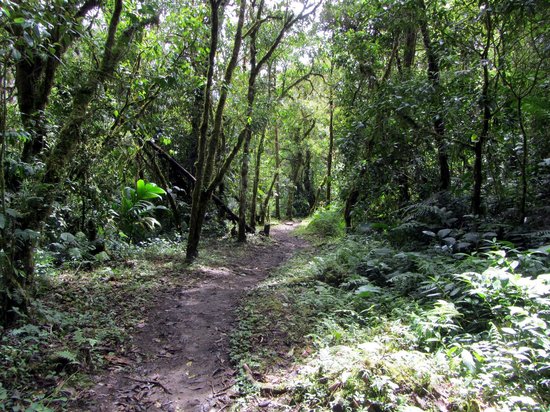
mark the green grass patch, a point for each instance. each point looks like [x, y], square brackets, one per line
[326, 223]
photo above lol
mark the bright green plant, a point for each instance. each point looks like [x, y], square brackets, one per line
[327, 223]
[136, 209]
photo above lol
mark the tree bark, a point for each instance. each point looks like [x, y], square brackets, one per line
[330, 136]
[265, 206]
[350, 203]
[277, 172]
[205, 185]
[256, 182]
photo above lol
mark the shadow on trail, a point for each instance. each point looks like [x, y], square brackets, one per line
[179, 360]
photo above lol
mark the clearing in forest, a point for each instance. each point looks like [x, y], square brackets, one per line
[179, 359]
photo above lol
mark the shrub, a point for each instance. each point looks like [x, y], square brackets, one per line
[327, 223]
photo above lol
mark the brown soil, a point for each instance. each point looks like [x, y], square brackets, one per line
[179, 360]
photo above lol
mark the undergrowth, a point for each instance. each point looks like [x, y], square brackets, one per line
[325, 223]
[361, 326]
[79, 323]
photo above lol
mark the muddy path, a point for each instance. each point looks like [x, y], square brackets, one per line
[179, 359]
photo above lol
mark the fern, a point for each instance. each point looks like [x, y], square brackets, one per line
[66, 355]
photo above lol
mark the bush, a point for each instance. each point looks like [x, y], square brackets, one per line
[327, 223]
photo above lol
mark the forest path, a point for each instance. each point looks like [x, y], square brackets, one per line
[180, 357]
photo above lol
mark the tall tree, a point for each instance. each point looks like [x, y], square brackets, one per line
[206, 181]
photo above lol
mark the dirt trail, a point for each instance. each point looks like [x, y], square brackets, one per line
[181, 355]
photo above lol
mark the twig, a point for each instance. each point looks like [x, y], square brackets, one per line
[151, 382]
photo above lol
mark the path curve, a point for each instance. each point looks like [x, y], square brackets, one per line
[181, 355]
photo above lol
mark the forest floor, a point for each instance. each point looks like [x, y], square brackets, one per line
[179, 356]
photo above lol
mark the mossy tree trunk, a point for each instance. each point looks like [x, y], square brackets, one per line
[206, 182]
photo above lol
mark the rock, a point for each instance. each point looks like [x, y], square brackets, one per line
[449, 241]
[490, 235]
[443, 233]
[471, 237]
[462, 247]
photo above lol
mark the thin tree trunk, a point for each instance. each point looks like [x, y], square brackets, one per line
[256, 182]
[318, 195]
[438, 123]
[330, 137]
[350, 203]
[524, 163]
[308, 181]
[254, 70]
[277, 172]
[486, 119]
[198, 207]
[265, 206]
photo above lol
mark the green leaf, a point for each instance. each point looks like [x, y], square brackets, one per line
[15, 53]
[28, 39]
[102, 257]
[19, 20]
[38, 407]
[148, 190]
[66, 355]
[67, 237]
[468, 360]
[2, 221]
[367, 290]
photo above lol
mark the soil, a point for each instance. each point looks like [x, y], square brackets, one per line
[179, 360]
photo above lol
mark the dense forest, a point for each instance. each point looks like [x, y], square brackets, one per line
[410, 138]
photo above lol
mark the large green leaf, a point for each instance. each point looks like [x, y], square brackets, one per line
[148, 190]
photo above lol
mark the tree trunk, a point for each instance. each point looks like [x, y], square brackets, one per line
[524, 164]
[350, 203]
[277, 173]
[199, 200]
[297, 165]
[265, 207]
[204, 187]
[330, 143]
[254, 70]
[438, 123]
[485, 121]
[256, 182]
[308, 181]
